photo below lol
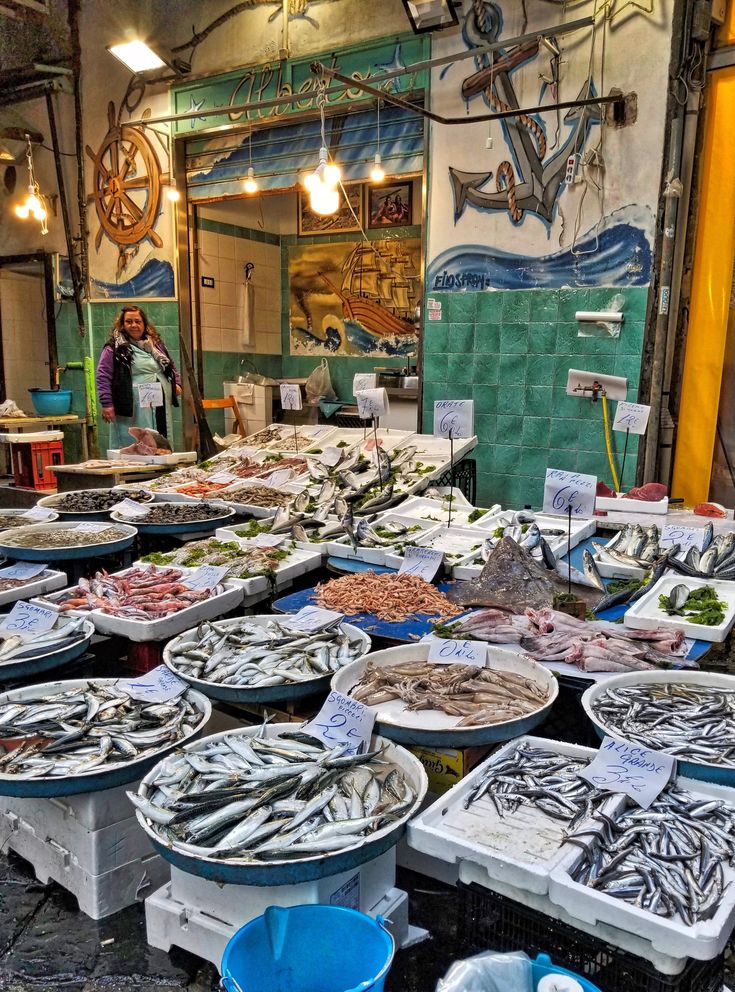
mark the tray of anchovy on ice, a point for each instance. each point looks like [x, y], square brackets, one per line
[21, 657]
[264, 658]
[422, 703]
[83, 735]
[92, 504]
[61, 541]
[10, 519]
[147, 603]
[287, 808]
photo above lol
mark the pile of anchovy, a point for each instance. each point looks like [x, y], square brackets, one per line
[257, 799]
[668, 859]
[92, 728]
[75, 536]
[96, 500]
[255, 655]
[693, 722]
[181, 513]
[538, 777]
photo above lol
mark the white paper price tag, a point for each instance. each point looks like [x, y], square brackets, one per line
[631, 417]
[685, 537]
[22, 570]
[371, 403]
[320, 432]
[89, 527]
[244, 451]
[150, 394]
[565, 490]
[331, 456]
[451, 652]
[129, 508]
[455, 417]
[225, 478]
[364, 380]
[27, 620]
[290, 396]
[267, 540]
[206, 577]
[38, 513]
[621, 766]
[277, 479]
[156, 686]
[342, 720]
[311, 619]
[423, 562]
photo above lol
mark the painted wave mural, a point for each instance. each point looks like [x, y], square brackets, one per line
[617, 254]
[155, 280]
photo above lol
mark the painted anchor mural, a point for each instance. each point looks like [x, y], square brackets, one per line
[531, 185]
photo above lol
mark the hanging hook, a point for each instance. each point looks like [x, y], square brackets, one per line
[249, 266]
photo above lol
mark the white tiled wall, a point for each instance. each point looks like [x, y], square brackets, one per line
[223, 257]
[25, 338]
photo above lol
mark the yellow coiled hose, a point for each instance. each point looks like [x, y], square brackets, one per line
[608, 444]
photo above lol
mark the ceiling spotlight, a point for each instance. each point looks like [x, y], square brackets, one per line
[141, 58]
[430, 15]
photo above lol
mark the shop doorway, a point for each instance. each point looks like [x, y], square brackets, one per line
[28, 354]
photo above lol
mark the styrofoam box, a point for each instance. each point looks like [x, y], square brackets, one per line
[623, 505]
[645, 613]
[617, 570]
[168, 626]
[519, 848]
[426, 507]
[430, 447]
[92, 810]
[299, 561]
[703, 940]
[201, 916]
[174, 458]
[250, 587]
[238, 501]
[459, 544]
[342, 547]
[46, 582]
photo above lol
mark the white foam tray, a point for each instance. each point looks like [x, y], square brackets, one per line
[519, 849]
[455, 542]
[98, 895]
[341, 547]
[645, 613]
[36, 587]
[424, 508]
[300, 561]
[622, 505]
[175, 458]
[618, 570]
[703, 941]
[93, 810]
[320, 436]
[430, 447]
[168, 626]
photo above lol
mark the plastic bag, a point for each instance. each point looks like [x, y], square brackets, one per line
[319, 385]
[11, 409]
[489, 972]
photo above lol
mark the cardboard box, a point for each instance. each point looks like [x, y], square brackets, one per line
[446, 766]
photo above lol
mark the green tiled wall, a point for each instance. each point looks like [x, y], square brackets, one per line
[510, 351]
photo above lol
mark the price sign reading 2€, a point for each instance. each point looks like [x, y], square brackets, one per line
[342, 720]
[290, 396]
[564, 491]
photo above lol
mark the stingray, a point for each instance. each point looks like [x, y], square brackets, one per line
[514, 581]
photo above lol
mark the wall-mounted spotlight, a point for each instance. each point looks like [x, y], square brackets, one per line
[143, 59]
[430, 15]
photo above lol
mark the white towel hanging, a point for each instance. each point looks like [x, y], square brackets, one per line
[246, 306]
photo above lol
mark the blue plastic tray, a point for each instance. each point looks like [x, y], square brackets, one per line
[13, 670]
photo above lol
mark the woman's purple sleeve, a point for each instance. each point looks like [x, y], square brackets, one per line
[104, 376]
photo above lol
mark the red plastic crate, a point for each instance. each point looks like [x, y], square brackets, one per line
[144, 657]
[31, 460]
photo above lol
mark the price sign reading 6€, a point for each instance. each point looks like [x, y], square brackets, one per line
[564, 491]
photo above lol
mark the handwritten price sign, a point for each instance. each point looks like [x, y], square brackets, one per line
[621, 766]
[290, 396]
[150, 394]
[364, 380]
[157, 686]
[569, 490]
[22, 570]
[38, 513]
[207, 577]
[129, 508]
[311, 619]
[371, 403]
[685, 537]
[631, 417]
[423, 562]
[28, 620]
[451, 652]
[342, 720]
[455, 417]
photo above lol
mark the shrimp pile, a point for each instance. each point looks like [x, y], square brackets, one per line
[391, 597]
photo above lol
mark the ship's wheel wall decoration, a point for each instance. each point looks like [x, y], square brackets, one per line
[127, 184]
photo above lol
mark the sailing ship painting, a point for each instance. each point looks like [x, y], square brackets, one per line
[355, 298]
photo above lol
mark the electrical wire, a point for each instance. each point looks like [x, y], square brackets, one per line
[608, 444]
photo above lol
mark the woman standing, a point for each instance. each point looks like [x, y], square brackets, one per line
[135, 357]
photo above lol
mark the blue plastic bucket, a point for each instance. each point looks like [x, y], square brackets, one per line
[51, 402]
[543, 966]
[308, 949]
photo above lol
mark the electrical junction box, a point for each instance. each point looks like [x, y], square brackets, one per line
[570, 175]
[719, 11]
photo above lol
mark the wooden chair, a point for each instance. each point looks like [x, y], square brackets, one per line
[228, 403]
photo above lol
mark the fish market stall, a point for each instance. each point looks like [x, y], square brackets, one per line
[262, 659]
[21, 658]
[259, 847]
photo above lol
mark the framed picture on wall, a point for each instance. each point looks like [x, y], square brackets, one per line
[342, 221]
[390, 206]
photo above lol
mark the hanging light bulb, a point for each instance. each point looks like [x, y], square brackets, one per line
[377, 173]
[323, 181]
[331, 175]
[251, 184]
[33, 205]
[325, 201]
[172, 192]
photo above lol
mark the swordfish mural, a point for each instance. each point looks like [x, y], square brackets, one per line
[516, 196]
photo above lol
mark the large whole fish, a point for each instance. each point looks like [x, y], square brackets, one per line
[255, 655]
[98, 726]
[245, 799]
